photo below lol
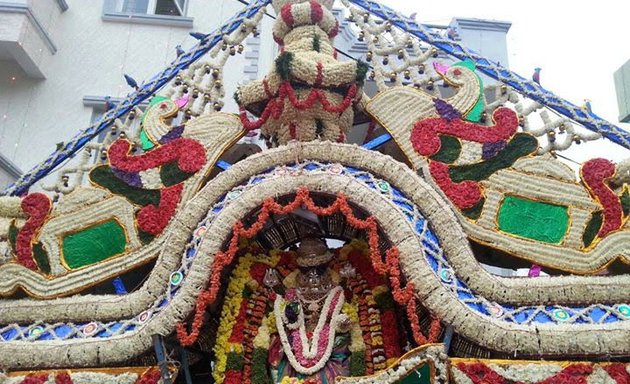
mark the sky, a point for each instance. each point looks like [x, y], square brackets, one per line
[578, 45]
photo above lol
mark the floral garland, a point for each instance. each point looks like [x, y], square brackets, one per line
[37, 206]
[403, 296]
[595, 173]
[231, 334]
[275, 106]
[488, 372]
[309, 358]
[149, 376]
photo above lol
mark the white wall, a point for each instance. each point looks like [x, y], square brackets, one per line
[92, 56]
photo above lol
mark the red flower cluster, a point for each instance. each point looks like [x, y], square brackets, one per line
[425, 134]
[189, 153]
[63, 378]
[403, 296]
[36, 378]
[619, 372]
[37, 206]
[275, 106]
[578, 373]
[152, 376]
[152, 219]
[594, 174]
[233, 377]
[464, 194]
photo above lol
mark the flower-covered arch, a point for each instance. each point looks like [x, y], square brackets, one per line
[412, 215]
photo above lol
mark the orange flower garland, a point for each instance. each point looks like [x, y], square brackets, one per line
[403, 296]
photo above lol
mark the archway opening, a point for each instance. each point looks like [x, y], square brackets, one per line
[282, 311]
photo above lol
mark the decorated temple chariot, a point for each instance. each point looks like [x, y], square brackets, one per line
[360, 220]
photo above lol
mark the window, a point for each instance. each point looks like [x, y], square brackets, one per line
[158, 12]
[154, 7]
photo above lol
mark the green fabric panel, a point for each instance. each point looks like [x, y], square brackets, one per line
[421, 375]
[533, 220]
[450, 149]
[94, 244]
[474, 114]
[522, 144]
[171, 174]
[592, 228]
[104, 176]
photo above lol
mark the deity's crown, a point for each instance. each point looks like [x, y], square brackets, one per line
[278, 4]
[312, 252]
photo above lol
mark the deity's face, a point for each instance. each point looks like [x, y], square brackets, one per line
[314, 283]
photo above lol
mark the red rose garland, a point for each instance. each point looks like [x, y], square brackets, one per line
[594, 174]
[403, 296]
[425, 134]
[37, 206]
[152, 219]
[464, 194]
[189, 153]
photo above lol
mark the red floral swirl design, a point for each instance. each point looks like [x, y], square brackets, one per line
[595, 173]
[152, 219]
[425, 134]
[190, 156]
[37, 206]
[464, 195]
[390, 267]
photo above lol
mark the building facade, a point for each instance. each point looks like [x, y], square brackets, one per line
[61, 59]
[622, 86]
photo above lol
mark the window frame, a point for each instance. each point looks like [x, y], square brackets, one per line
[110, 13]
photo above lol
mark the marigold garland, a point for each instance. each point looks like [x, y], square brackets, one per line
[404, 296]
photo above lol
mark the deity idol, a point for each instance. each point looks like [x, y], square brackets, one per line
[312, 337]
